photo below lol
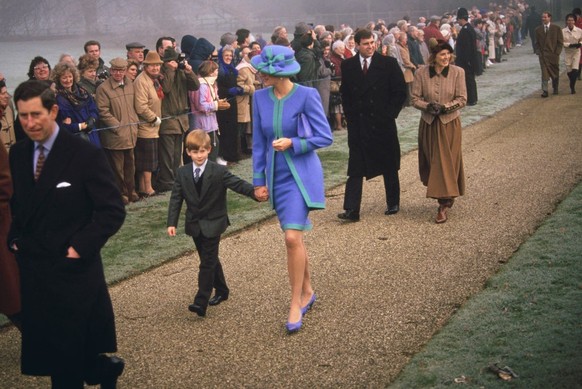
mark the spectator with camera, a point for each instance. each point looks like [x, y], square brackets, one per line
[93, 48]
[177, 80]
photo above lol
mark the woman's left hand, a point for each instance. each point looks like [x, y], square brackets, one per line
[282, 144]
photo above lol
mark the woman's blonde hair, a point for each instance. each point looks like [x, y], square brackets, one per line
[61, 68]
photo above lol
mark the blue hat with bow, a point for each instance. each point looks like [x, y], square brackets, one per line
[278, 61]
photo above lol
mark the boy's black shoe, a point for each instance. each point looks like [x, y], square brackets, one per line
[197, 309]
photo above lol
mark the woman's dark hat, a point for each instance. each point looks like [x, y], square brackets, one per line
[276, 61]
[436, 46]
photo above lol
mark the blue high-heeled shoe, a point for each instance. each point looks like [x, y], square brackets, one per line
[294, 327]
[309, 304]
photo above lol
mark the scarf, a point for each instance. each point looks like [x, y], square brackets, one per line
[77, 96]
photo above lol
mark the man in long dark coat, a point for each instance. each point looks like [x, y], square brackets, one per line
[549, 44]
[373, 91]
[64, 208]
[466, 52]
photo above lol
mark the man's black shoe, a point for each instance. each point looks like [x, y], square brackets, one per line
[217, 299]
[349, 215]
[197, 309]
[392, 210]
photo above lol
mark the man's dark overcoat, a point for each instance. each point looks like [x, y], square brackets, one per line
[371, 104]
[466, 53]
[66, 308]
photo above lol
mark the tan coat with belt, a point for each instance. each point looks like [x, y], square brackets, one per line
[408, 66]
[147, 105]
[117, 113]
[246, 80]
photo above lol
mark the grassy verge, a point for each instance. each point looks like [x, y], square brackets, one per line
[527, 318]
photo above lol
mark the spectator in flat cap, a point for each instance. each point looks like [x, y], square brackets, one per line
[228, 38]
[135, 52]
[115, 101]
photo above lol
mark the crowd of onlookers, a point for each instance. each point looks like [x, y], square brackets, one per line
[139, 108]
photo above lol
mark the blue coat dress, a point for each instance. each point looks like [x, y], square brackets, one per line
[295, 173]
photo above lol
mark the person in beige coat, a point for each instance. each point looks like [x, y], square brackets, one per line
[247, 81]
[439, 92]
[148, 105]
[572, 42]
[408, 67]
[115, 101]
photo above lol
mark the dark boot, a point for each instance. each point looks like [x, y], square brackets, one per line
[572, 76]
[555, 84]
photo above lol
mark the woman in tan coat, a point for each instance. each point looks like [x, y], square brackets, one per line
[247, 81]
[408, 67]
[439, 92]
[148, 106]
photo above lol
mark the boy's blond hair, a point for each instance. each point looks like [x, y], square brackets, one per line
[197, 139]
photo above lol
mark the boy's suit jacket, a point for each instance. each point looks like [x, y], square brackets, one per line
[206, 211]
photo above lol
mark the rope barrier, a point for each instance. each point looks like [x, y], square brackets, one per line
[177, 116]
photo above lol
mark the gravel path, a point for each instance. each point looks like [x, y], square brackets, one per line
[385, 285]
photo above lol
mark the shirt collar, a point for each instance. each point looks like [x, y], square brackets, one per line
[48, 144]
[362, 59]
[201, 167]
[433, 72]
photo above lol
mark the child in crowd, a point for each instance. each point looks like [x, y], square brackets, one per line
[203, 184]
[204, 103]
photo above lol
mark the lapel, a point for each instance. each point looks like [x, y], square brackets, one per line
[371, 77]
[209, 173]
[58, 160]
[188, 182]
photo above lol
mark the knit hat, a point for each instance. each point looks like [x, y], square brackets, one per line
[187, 43]
[227, 39]
[118, 63]
[462, 14]
[277, 61]
[153, 58]
[170, 54]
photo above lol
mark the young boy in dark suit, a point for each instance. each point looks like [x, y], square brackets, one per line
[203, 184]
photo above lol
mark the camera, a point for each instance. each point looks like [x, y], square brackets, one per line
[103, 75]
[181, 61]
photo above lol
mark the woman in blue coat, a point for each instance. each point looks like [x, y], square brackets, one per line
[289, 124]
[78, 113]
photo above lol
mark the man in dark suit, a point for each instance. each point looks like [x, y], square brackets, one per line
[549, 44]
[466, 52]
[64, 208]
[203, 185]
[373, 91]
